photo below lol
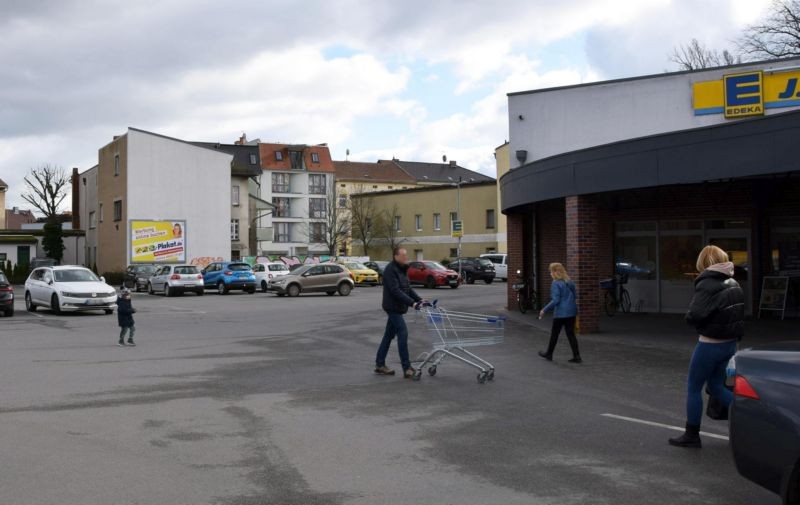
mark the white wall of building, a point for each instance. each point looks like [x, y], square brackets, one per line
[169, 179]
[10, 252]
[562, 120]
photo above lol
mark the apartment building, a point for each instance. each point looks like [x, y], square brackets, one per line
[297, 180]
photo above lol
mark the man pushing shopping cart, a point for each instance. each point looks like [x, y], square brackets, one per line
[398, 296]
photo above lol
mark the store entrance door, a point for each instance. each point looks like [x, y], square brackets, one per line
[737, 244]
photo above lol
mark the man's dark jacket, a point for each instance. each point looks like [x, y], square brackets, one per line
[124, 312]
[717, 308]
[397, 293]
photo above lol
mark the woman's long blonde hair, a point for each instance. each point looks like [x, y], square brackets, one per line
[710, 255]
[559, 271]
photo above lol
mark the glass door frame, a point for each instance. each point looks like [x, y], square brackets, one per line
[739, 233]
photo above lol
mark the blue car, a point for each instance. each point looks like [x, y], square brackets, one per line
[227, 275]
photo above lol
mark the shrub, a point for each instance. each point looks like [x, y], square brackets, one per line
[114, 278]
[445, 261]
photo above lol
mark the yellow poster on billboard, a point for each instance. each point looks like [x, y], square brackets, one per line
[158, 241]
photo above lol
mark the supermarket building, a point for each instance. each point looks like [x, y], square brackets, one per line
[636, 175]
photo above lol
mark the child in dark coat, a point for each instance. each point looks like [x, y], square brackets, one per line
[125, 313]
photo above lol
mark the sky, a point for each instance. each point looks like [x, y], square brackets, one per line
[416, 80]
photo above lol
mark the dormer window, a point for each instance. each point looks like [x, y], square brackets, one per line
[278, 156]
[314, 157]
[253, 160]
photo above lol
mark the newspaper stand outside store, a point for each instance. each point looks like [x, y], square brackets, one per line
[452, 333]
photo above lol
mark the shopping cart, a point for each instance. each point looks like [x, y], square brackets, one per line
[452, 332]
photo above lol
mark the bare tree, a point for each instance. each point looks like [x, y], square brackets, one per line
[777, 36]
[695, 55]
[364, 220]
[47, 189]
[337, 222]
[387, 230]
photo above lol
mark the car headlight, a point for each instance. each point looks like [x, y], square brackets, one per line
[69, 294]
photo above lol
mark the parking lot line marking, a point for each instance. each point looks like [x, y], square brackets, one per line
[659, 425]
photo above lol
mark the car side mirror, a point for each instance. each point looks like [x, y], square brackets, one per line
[102, 279]
[203, 271]
[50, 281]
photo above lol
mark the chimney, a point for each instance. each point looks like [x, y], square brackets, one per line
[453, 163]
[76, 199]
[242, 140]
[16, 211]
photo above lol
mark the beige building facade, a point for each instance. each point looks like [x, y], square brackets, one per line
[421, 219]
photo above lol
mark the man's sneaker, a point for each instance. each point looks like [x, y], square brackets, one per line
[409, 374]
[121, 343]
[384, 370]
[130, 342]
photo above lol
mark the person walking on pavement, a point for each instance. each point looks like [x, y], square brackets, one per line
[125, 313]
[398, 296]
[717, 313]
[565, 310]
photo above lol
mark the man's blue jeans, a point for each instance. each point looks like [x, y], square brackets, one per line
[395, 326]
[708, 366]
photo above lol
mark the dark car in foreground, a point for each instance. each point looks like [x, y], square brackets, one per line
[6, 296]
[474, 269]
[765, 418]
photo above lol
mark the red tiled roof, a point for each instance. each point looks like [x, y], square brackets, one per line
[382, 171]
[270, 162]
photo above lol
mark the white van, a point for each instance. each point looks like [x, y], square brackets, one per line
[500, 265]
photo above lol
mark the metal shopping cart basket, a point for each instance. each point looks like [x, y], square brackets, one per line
[452, 332]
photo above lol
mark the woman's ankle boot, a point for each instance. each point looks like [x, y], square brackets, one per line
[690, 438]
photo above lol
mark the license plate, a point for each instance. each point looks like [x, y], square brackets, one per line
[95, 302]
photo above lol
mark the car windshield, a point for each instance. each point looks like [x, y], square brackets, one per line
[146, 269]
[485, 263]
[239, 267]
[301, 270]
[75, 275]
[3, 279]
[186, 270]
[356, 266]
[434, 265]
[278, 268]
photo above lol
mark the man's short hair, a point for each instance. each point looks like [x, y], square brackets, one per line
[397, 250]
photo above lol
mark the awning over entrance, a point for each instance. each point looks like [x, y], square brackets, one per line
[767, 145]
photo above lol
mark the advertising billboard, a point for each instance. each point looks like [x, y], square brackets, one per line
[158, 241]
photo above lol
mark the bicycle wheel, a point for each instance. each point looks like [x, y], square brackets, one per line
[522, 303]
[610, 304]
[625, 303]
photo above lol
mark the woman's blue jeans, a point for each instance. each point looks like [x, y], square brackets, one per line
[708, 365]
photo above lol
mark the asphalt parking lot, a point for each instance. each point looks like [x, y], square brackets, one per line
[255, 399]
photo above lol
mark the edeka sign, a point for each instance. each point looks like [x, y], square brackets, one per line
[158, 241]
[747, 94]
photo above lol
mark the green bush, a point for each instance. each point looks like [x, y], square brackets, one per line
[445, 261]
[114, 278]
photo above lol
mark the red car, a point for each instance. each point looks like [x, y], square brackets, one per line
[431, 274]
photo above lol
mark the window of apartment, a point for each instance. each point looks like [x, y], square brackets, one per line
[116, 165]
[278, 156]
[490, 218]
[235, 196]
[374, 186]
[281, 232]
[454, 252]
[368, 225]
[317, 235]
[117, 210]
[390, 187]
[342, 201]
[100, 211]
[418, 222]
[437, 221]
[235, 230]
[280, 183]
[343, 185]
[315, 157]
[3, 257]
[253, 159]
[317, 184]
[296, 159]
[397, 223]
[281, 207]
[92, 220]
[453, 216]
[316, 208]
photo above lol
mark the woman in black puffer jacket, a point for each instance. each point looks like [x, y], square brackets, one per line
[717, 312]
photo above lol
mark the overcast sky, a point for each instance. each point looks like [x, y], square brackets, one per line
[412, 79]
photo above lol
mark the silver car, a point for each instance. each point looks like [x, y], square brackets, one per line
[328, 278]
[175, 280]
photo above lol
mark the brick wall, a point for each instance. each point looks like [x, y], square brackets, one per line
[515, 242]
[583, 256]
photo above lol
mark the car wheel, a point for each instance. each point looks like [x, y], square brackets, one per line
[488, 281]
[150, 288]
[29, 305]
[430, 282]
[293, 290]
[167, 290]
[221, 288]
[55, 306]
[345, 289]
[264, 286]
[470, 279]
[136, 287]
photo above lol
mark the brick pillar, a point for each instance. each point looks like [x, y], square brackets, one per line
[583, 258]
[515, 233]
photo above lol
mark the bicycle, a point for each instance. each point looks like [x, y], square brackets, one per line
[526, 294]
[616, 297]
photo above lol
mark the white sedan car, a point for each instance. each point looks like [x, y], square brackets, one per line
[68, 288]
[267, 271]
[176, 279]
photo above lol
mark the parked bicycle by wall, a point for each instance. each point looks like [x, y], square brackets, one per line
[616, 297]
[526, 294]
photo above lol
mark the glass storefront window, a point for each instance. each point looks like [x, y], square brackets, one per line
[677, 258]
[636, 255]
[785, 245]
